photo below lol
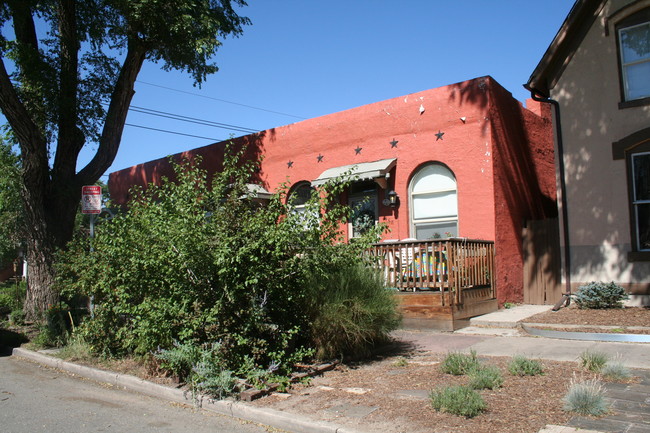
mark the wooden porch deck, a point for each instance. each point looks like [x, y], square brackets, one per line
[440, 283]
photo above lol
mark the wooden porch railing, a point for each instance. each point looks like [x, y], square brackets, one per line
[445, 265]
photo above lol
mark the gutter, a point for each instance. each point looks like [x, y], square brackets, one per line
[538, 96]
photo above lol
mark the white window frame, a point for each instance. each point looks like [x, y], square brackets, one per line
[440, 191]
[626, 65]
[300, 209]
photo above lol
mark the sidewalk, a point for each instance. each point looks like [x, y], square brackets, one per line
[634, 396]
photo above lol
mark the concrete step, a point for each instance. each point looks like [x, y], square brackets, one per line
[508, 317]
[483, 330]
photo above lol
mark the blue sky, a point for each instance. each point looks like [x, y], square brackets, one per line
[306, 59]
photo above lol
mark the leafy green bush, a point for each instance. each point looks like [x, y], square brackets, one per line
[6, 301]
[458, 364]
[202, 368]
[458, 400]
[55, 330]
[180, 359]
[12, 295]
[194, 262]
[485, 377]
[586, 398]
[600, 295]
[17, 317]
[522, 366]
[593, 360]
[352, 311]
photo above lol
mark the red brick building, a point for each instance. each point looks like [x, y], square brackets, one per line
[466, 160]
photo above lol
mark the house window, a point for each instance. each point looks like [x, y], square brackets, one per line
[363, 202]
[434, 203]
[298, 199]
[634, 51]
[634, 149]
[640, 165]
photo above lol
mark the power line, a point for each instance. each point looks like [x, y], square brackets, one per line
[174, 132]
[221, 100]
[188, 119]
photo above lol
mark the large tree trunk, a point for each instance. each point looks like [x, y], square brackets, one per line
[50, 215]
[40, 278]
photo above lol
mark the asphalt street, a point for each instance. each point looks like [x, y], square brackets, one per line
[34, 399]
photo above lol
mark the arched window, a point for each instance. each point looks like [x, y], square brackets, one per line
[299, 196]
[433, 203]
[297, 201]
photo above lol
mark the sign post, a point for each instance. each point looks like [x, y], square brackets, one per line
[91, 203]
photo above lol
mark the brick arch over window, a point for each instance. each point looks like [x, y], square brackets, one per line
[635, 150]
[433, 202]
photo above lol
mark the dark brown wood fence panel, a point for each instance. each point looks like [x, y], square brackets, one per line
[542, 262]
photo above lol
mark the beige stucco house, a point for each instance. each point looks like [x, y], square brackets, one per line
[596, 73]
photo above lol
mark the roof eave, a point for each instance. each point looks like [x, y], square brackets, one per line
[561, 50]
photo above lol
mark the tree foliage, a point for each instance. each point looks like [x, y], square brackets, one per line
[62, 60]
[11, 227]
[203, 263]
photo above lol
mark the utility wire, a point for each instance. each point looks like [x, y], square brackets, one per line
[220, 100]
[191, 119]
[174, 132]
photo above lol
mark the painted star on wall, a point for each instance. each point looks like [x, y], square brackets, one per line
[319, 158]
[357, 151]
[393, 143]
[439, 135]
[289, 164]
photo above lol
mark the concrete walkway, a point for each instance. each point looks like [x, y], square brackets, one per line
[632, 402]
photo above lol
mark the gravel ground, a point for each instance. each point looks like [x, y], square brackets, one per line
[391, 397]
[617, 318]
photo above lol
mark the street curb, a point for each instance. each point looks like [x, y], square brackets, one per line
[270, 417]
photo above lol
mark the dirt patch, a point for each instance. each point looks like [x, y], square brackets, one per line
[618, 318]
[384, 396]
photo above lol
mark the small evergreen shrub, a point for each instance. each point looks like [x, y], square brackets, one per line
[488, 377]
[458, 364]
[616, 372]
[600, 295]
[522, 366]
[586, 398]
[458, 400]
[592, 360]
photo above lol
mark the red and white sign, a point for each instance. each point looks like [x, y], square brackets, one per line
[91, 199]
